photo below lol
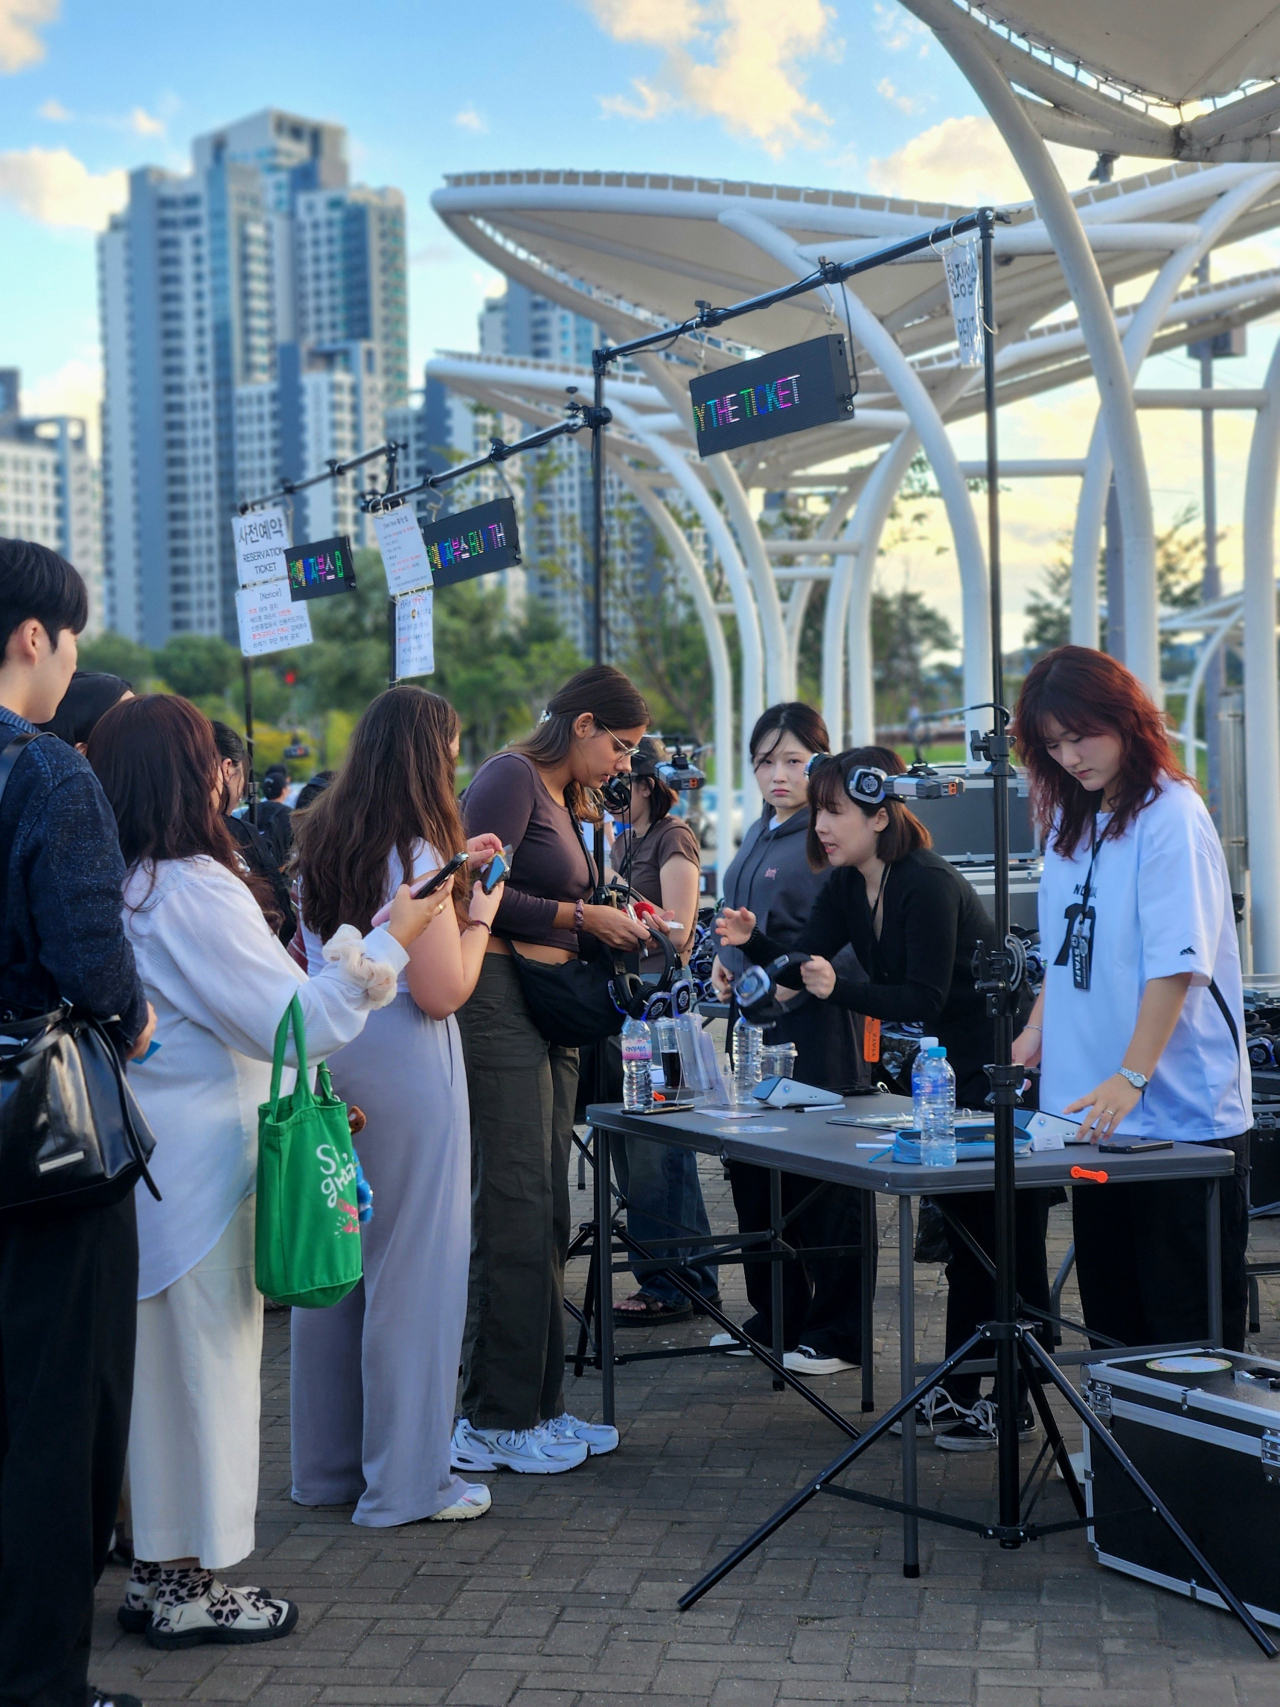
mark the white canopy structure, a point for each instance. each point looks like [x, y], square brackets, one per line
[632, 251]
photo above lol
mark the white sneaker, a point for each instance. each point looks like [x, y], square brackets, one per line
[727, 1343]
[806, 1361]
[474, 1501]
[524, 1450]
[600, 1437]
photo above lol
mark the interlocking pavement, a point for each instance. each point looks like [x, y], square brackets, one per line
[565, 1594]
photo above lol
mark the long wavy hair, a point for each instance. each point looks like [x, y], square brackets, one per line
[1090, 693]
[612, 699]
[158, 763]
[395, 790]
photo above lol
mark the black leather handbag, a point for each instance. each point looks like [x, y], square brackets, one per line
[71, 1133]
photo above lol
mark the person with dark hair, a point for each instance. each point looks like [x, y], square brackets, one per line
[913, 921]
[658, 856]
[534, 796]
[68, 1279]
[89, 693]
[311, 791]
[1142, 998]
[374, 1378]
[275, 818]
[770, 874]
[258, 856]
[221, 982]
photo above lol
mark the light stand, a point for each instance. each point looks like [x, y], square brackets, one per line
[998, 968]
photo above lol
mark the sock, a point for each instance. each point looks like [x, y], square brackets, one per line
[187, 1582]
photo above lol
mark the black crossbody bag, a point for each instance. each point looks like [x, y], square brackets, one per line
[71, 1133]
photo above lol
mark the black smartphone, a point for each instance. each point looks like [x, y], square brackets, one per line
[1132, 1146]
[496, 871]
[440, 878]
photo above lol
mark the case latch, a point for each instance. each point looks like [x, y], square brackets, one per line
[1271, 1454]
[1097, 1395]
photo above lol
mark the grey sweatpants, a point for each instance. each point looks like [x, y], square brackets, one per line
[522, 1091]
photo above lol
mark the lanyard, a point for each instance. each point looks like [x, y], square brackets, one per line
[1077, 943]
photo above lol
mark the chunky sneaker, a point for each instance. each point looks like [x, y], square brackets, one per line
[474, 1501]
[934, 1411]
[978, 1430]
[526, 1450]
[192, 1606]
[599, 1437]
[804, 1360]
[139, 1597]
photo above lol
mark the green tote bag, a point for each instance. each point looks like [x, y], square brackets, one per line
[307, 1241]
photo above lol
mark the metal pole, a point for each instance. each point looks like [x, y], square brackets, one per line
[1211, 585]
[247, 666]
[597, 501]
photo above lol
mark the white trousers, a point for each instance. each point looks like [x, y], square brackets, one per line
[197, 1395]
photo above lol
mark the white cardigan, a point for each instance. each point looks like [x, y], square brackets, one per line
[220, 981]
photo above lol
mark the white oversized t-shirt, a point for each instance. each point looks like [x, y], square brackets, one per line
[1162, 900]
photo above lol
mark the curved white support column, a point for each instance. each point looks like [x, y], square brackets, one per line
[717, 651]
[726, 550]
[1209, 650]
[1217, 218]
[923, 415]
[962, 41]
[1261, 694]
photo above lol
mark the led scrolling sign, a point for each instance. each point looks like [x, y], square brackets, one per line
[807, 385]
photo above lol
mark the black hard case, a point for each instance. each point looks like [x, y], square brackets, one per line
[1209, 1445]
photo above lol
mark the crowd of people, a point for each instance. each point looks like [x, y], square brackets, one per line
[135, 893]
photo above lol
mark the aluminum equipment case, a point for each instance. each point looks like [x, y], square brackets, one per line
[1203, 1428]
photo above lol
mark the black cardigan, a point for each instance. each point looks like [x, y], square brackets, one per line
[921, 964]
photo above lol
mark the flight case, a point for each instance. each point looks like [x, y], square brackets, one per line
[1203, 1429]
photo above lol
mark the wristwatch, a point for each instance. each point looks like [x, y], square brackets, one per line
[1139, 1081]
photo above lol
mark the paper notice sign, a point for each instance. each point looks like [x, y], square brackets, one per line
[261, 540]
[961, 265]
[270, 620]
[415, 643]
[404, 552]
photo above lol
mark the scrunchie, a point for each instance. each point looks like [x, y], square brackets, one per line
[375, 977]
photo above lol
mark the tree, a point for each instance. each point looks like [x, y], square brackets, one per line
[906, 632]
[198, 666]
[116, 656]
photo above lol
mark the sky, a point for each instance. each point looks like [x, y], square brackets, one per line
[849, 94]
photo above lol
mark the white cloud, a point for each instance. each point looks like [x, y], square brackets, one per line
[909, 104]
[20, 45]
[141, 122]
[470, 119]
[74, 389]
[735, 60]
[54, 111]
[964, 161]
[52, 186]
[899, 31]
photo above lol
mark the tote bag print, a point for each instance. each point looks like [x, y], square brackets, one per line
[307, 1249]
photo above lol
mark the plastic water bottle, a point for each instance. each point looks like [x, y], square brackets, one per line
[918, 1078]
[933, 1095]
[748, 1042]
[637, 1061]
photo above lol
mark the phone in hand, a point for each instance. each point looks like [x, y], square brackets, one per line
[496, 872]
[441, 877]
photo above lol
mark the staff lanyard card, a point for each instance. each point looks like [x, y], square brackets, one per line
[1077, 944]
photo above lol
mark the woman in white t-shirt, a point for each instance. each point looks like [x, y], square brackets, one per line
[1138, 1027]
[374, 1377]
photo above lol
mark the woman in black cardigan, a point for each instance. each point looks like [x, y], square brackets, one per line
[914, 922]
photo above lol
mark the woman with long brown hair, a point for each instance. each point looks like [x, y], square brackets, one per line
[374, 1377]
[535, 796]
[1142, 998]
[220, 982]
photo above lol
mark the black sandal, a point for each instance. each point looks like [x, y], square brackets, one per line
[653, 1309]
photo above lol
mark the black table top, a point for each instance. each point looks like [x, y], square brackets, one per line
[809, 1145]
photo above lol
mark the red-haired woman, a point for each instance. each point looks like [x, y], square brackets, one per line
[1137, 1029]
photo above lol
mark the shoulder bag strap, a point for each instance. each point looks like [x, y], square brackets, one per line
[12, 753]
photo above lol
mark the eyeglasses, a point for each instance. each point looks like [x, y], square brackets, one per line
[622, 747]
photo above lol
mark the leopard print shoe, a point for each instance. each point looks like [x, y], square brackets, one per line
[192, 1607]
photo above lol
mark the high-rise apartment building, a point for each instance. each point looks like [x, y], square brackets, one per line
[254, 324]
[49, 487]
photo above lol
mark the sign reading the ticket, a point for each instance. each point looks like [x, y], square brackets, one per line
[474, 542]
[269, 619]
[316, 571]
[262, 538]
[807, 385]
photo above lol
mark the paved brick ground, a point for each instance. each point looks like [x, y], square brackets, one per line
[564, 1596]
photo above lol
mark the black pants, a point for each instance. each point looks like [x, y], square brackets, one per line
[971, 1291]
[68, 1307]
[821, 1296]
[1141, 1253]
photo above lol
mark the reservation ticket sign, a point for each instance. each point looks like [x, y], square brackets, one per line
[474, 542]
[806, 385]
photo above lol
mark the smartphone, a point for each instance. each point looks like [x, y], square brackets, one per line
[1132, 1146]
[440, 878]
[496, 871]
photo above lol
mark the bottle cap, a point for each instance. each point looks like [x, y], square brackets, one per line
[937, 1053]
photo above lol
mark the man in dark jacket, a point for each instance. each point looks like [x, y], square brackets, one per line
[68, 1279]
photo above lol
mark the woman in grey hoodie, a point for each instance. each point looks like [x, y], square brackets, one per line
[771, 875]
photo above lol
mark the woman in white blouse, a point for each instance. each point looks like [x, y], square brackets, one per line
[219, 981]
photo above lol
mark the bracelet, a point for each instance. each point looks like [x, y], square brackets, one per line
[579, 916]
[480, 925]
[1038, 1028]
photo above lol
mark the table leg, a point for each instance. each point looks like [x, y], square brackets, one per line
[907, 1365]
[1213, 1259]
[775, 1269]
[604, 1268]
[868, 1299]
